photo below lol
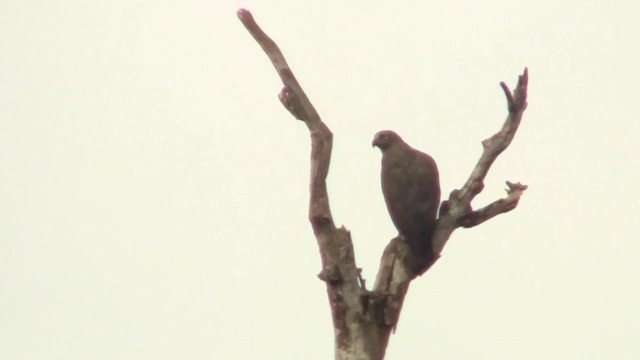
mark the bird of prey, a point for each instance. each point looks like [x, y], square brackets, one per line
[411, 188]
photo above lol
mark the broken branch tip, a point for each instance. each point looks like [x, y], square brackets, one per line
[244, 14]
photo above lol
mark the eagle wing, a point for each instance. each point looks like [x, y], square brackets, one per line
[410, 184]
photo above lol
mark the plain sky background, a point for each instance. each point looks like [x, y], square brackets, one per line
[153, 191]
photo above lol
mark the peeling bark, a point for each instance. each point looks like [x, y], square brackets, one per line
[363, 320]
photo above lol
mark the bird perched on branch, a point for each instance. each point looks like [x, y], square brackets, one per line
[411, 188]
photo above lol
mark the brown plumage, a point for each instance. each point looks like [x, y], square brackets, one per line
[411, 188]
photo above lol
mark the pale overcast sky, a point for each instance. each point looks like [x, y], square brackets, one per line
[154, 191]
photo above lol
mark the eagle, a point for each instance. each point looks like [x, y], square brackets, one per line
[411, 189]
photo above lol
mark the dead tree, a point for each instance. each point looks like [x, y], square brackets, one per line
[364, 319]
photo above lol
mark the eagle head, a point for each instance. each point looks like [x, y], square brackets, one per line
[385, 139]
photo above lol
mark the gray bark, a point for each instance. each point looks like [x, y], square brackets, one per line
[363, 320]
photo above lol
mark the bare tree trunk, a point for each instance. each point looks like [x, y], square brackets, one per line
[363, 320]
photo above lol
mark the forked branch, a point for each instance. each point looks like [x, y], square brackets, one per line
[393, 275]
[363, 320]
[456, 211]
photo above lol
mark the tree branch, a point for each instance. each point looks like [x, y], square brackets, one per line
[497, 207]
[459, 204]
[394, 274]
[363, 320]
[339, 272]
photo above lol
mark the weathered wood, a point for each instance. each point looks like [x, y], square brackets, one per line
[363, 320]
